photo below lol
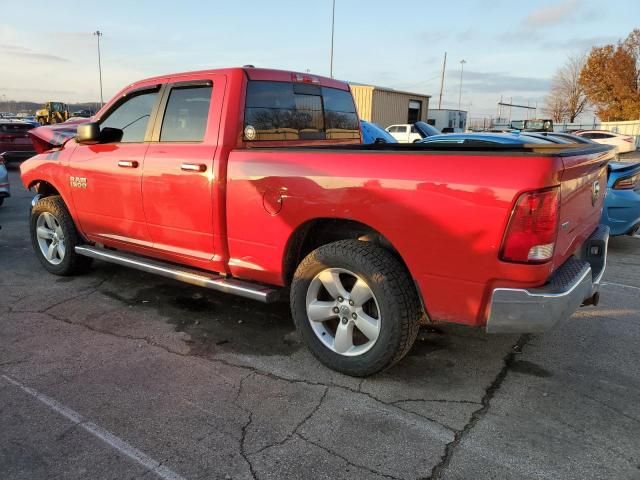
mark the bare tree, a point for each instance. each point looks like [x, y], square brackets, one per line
[555, 106]
[567, 98]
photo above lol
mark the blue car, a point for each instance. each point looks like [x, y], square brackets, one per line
[480, 138]
[621, 212]
[622, 203]
[372, 133]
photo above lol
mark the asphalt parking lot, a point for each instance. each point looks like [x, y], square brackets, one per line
[118, 374]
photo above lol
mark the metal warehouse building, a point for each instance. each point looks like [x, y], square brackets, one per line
[386, 106]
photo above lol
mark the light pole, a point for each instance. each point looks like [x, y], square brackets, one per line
[333, 19]
[462, 62]
[98, 34]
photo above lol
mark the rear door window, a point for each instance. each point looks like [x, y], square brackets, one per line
[185, 118]
[290, 111]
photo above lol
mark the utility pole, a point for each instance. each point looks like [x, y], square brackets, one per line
[98, 34]
[444, 66]
[333, 21]
[462, 62]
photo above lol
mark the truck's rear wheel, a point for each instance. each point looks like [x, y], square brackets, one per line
[54, 237]
[356, 307]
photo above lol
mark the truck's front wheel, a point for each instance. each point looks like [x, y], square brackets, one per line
[54, 237]
[356, 307]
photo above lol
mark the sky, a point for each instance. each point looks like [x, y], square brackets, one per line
[511, 48]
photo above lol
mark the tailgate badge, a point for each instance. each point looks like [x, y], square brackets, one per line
[595, 192]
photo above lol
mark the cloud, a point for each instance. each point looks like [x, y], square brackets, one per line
[27, 53]
[466, 35]
[34, 90]
[499, 82]
[432, 36]
[552, 14]
[576, 43]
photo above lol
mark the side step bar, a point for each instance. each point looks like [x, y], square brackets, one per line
[212, 281]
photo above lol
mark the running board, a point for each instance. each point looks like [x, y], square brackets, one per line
[212, 281]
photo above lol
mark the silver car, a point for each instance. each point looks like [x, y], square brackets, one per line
[4, 181]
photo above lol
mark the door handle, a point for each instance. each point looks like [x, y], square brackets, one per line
[127, 163]
[194, 167]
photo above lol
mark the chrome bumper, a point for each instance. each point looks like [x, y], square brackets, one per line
[576, 282]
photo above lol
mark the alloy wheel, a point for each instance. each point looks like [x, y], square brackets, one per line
[343, 312]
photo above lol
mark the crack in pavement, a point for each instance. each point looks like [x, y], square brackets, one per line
[243, 450]
[435, 400]
[297, 427]
[477, 415]
[85, 293]
[345, 459]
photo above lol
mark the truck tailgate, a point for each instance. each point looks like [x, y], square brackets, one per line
[582, 191]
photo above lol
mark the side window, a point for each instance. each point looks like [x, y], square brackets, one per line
[132, 116]
[393, 129]
[185, 118]
[414, 129]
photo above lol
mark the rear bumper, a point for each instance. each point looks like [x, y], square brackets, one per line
[576, 282]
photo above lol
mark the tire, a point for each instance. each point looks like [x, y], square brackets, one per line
[393, 309]
[51, 224]
[1, 201]
[42, 121]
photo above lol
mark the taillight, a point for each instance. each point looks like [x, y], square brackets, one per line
[304, 78]
[533, 227]
[627, 183]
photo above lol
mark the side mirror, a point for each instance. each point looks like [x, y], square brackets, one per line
[88, 133]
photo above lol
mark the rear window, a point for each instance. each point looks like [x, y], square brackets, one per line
[597, 135]
[15, 127]
[277, 111]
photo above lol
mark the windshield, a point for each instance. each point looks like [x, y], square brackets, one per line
[372, 133]
[426, 130]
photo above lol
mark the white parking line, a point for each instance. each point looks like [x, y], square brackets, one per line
[621, 285]
[104, 435]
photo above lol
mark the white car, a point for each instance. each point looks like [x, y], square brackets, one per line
[404, 133]
[623, 143]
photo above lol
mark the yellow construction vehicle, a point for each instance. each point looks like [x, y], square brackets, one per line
[52, 112]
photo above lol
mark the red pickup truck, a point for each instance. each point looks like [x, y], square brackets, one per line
[255, 182]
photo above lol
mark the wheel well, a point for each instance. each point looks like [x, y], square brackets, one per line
[43, 188]
[315, 233]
